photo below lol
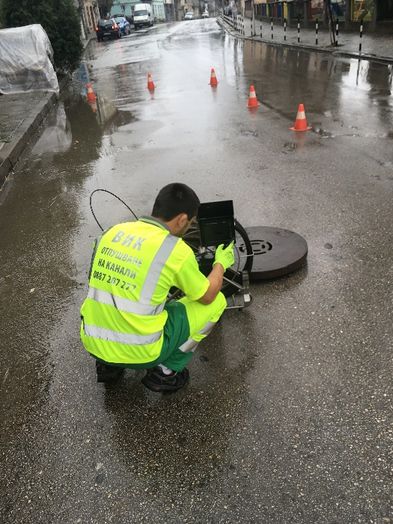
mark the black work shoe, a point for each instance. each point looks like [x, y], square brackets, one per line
[156, 380]
[108, 374]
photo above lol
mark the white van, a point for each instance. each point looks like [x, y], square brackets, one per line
[143, 15]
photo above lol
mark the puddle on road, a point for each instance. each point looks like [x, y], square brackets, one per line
[342, 95]
[323, 133]
[346, 93]
[75, 129]
[289, 147]
[56, 137]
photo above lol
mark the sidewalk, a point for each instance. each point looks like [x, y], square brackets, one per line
[20, 117]
[374, 46]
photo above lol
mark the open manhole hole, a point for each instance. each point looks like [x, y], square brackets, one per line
[277, 252]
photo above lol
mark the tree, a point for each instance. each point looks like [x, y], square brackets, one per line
[60, 20]
[20, 13]
[66, 41]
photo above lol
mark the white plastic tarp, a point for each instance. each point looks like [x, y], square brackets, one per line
[25, 60]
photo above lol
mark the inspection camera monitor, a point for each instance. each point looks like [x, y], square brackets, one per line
[216, 223]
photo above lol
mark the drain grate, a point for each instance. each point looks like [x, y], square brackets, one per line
[259, 247]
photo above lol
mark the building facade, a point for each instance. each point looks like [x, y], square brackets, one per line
[89, 14]
[374, 13]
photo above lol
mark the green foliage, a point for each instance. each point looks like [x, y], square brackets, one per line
[67, 40]
[60, 20]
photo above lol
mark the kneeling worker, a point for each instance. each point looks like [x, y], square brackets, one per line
[126, 319]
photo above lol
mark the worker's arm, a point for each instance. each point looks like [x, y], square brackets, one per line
[223, 259]
[215, 278]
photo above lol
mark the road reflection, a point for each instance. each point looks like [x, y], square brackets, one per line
[57, 136]
[330, 87]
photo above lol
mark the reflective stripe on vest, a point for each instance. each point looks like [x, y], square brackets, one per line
[121, 338]
[156, 267]
[143, 306]
[123, 304]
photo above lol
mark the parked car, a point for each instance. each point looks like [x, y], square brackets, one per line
[124, 25]
[107, 28]
[189, 16]
[143, 15]
[205, 14]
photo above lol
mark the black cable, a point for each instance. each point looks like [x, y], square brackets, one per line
[110, 193]
[236, 271]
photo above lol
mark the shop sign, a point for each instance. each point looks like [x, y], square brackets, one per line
[338, 9]
[317, 9]
[363, 10]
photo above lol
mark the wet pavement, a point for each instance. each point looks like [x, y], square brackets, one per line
[288, 415]
[20, 117]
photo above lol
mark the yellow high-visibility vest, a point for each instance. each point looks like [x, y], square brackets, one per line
[132, 271]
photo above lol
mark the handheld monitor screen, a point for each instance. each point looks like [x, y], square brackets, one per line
[216, 223]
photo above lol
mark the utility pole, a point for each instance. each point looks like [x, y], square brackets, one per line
[329, 14]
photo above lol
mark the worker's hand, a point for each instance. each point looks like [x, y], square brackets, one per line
[224, 256]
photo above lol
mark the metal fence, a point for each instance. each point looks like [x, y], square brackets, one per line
[279, 32]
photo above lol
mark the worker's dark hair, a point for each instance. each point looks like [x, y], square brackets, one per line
[174, 199]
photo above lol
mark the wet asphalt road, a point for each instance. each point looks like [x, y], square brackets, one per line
[288, 416]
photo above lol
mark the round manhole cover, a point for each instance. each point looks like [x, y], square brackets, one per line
[277, 252]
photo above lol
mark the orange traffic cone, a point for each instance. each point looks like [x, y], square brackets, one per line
[90, 95]
[301, 121]
[252, 98]
[150, 83]
[213, 78]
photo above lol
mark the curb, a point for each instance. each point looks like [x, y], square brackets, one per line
[333, 52]
[87, 42]
[11, 152]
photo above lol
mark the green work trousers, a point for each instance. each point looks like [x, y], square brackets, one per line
[188, 323]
